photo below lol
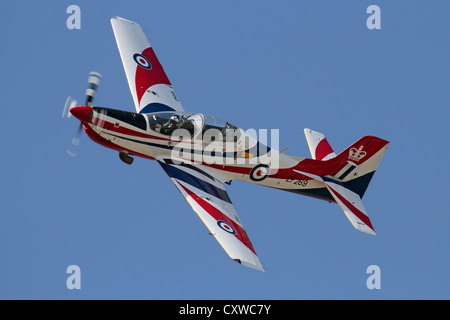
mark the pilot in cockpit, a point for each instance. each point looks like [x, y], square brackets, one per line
[172, 124]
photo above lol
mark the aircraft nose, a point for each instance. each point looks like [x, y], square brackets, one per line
[83, 113]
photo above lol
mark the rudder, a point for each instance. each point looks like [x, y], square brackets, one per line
[359, 162]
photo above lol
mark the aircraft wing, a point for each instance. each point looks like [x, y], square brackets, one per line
[149, 85]
[209, 199]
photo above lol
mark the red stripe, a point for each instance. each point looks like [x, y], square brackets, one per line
[218, 215]
[241, 170]
[354, 210]
[107, 143]
[281, 173]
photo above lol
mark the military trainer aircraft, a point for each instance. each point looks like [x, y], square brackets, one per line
[201, 153]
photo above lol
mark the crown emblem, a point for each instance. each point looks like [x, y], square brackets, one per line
[356, 154]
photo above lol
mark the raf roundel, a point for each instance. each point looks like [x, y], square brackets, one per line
[142, 61]
[260, 172]
[225, 226]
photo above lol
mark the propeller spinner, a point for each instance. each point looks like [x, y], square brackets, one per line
[91, 90]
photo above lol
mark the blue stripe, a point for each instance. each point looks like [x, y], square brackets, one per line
[155, 107]
[176, 173]
[318, 193]
[347, 172]
[357, 185]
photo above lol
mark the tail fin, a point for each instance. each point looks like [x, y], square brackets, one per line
[348, 175]
[356, 165]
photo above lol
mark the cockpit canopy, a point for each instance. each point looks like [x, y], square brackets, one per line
[167, 122]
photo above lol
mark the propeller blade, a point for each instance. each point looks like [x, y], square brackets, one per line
[70, 102]
[93, 82]
[72, 151]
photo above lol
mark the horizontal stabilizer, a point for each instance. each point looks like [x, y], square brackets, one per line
[318, 145]
[349, 201]
[352, 205]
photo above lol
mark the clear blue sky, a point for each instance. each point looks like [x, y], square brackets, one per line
[259, 64]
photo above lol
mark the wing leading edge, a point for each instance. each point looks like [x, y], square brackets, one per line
[209, 199]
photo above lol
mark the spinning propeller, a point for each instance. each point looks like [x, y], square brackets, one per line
[93, 82]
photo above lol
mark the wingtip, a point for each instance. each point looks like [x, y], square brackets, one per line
[121, 19]
[369, 231]
[364, 228]
[257, 265]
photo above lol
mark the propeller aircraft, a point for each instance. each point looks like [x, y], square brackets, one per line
[202, 153]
